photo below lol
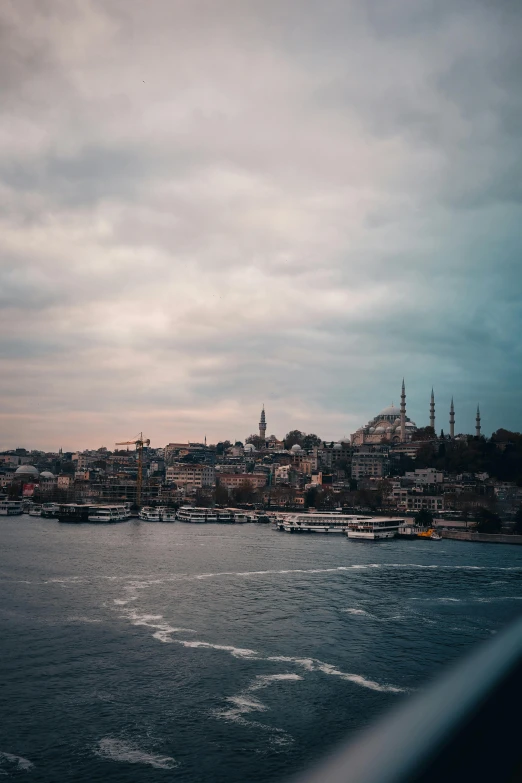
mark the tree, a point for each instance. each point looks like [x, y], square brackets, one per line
[311, 440]
[424, 518]
[222, 446]
[244, 493]
[425, 433]
[68, 467]
[221, 495]
[256, 441]
[518, 522]
[488, 521]
[293, 437]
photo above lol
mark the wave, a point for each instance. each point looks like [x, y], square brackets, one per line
[10, 762]
[245, 703]
[361, 612]
[118, 750]
[163, 633]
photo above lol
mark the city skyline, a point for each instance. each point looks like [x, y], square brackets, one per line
[207, 207]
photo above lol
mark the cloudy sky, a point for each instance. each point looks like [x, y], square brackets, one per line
[210, 204]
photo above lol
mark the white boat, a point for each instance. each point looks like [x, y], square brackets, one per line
[50, 510]
[169, 515]
[224, 516]
[374, 528]
[149, 514]
[327, 522]
[192, 514]
[10, 508]
[35, 511]
[107, 514]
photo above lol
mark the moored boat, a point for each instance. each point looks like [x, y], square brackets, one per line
[374, 528]
[35, 511]
[10, 508]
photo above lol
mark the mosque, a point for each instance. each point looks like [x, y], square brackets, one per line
[392, 425]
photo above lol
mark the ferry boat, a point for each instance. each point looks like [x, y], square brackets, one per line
[10, 508]
[327, 522]
[192, 514]
[101, 514]
[49, 510]
[224, 516]
[374, 528]
[169, 515]
[35, 511]
[149, 514]
[411, 530]
[73, 513]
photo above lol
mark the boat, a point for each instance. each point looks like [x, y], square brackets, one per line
[73, 513]
[192, 514]
[50, 510]
[169, 515]
[10, 508]
[224, 516]
[149, 514]
[374, 528]
[100, 514]
[35, 511]
[327, 522]
[411, 530]
[430, 534]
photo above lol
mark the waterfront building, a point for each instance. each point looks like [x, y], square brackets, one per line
[187, 474]
[371, 461]
[235, 480]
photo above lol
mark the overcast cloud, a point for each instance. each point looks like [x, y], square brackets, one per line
[205, 206]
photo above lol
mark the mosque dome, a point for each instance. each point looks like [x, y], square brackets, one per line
[344, 440]
[380, 430]
[249, 447]
[397, 422]
[372, 429]
[410, 424]
[391, 410]
[296, 447]
[46, 474]
[27, 470]
[389, 428]
[337, 446]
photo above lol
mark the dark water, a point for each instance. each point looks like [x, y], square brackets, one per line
[150, 652]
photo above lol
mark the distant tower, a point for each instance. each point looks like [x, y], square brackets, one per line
[477, 423]
[432, 410]
[403, 412]
[452, 420]
[262, 424]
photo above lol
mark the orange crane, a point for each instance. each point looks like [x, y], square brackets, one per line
[139, 443]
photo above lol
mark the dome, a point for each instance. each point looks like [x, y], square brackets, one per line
[27, 470]
[391, 410]
[46, 474]
[410, 424]
[379, 430]
[249, 447]
[296, 447]
[345, 440]
[372, 429]
[337, 446]
[397, 422]
[389, 428]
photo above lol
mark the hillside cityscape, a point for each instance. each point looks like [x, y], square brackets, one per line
[390, 465]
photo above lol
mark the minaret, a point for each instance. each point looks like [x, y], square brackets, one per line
[477, 423]
[403, 412]
[432, 410]
[452, 420]
[262, 424]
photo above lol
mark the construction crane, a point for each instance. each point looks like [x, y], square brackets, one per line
[139, 443]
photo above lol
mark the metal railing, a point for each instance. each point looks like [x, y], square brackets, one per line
[465, 727]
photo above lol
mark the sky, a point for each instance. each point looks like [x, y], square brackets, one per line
[207, 206]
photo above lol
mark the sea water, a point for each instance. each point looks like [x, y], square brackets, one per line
[158, 652]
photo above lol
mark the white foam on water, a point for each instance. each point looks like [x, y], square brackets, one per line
[9, 761]
[118, 750]
[237, 652]
[245, 703]
[313, 664]
[82, 619]
[361, 612]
